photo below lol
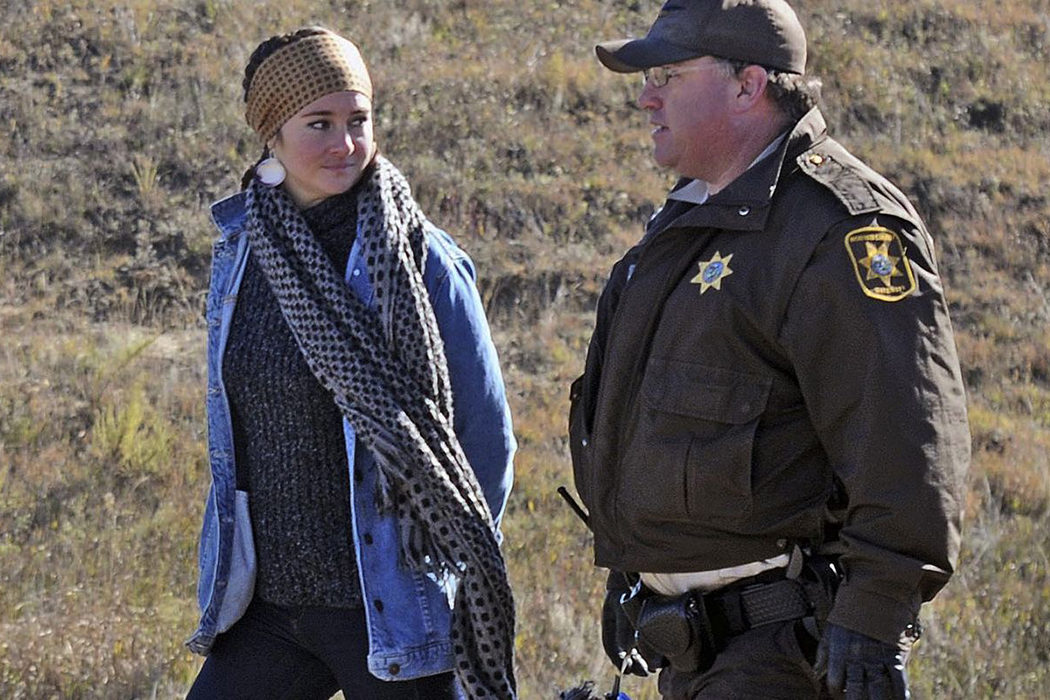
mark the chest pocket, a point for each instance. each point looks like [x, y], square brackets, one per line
[695, 440]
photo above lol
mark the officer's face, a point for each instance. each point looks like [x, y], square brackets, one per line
[689, 116]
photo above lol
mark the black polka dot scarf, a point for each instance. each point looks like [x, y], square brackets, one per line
[386, 369]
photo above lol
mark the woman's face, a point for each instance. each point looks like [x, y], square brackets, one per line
[326, 146]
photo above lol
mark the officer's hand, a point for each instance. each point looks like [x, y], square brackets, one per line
[617, 632]
[861, 667]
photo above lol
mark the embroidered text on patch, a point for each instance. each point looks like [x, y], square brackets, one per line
[880, 263]
[712, 272]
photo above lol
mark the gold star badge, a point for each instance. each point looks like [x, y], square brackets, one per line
[712, 272]
[880, 263]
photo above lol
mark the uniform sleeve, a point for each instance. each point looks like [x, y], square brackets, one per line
[869, 335]
[481, 414]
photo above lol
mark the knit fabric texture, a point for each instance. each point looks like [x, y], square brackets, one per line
[299, 73]
[288, 439]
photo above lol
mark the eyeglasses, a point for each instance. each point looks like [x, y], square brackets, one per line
[659, 75]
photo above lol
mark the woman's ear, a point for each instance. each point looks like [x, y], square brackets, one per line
[274, 140]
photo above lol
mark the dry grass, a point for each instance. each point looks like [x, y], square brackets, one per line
[121, 121]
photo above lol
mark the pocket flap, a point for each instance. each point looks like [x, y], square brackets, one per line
[708, 393]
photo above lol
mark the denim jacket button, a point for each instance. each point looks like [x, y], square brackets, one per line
[379, 604]
[368, 538]
[394, 669]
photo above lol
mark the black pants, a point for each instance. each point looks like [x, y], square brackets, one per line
[771, 661]
[303, 654]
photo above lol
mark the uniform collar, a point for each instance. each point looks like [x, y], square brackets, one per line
[694, 191]
[744, 204]
[698, 191]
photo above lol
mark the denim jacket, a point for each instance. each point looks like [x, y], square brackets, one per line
[408, 612]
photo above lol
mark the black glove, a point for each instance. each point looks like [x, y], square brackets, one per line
[861, 667]
[617, 632]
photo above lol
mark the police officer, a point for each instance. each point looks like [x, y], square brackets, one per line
[772, 377]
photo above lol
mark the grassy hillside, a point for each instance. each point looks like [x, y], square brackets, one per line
[120, 122]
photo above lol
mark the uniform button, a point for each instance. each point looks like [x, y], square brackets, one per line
[584, 441]
[744, 211]
[357, 272]
[368, 538]
[816, 159]
[394, 669]
[379, 604]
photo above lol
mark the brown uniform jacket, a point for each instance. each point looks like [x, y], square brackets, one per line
[758, 356]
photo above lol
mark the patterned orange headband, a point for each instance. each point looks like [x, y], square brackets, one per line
[299, 73]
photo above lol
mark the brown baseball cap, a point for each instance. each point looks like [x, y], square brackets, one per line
[765, 32]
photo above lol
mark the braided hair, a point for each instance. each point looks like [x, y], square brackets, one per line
[260, 54]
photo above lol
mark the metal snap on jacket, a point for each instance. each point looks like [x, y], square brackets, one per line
[744, 211]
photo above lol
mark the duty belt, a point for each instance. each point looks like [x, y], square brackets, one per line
[738, 610]
[690, 629]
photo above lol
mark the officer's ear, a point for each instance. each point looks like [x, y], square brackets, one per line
[751, 85]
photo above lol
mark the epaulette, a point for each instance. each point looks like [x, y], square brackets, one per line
[848, 185]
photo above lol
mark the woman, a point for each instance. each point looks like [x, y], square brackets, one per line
[359, 436]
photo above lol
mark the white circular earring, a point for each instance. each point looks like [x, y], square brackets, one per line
[270, 171]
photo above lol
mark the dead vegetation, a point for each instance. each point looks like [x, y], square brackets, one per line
[120, 122]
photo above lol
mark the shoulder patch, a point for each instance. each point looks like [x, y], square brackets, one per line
[845, 183]
[880, 263]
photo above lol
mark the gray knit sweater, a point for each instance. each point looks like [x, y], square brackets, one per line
[288, 437]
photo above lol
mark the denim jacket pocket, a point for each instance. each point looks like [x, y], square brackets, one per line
[692, 453]
[241, 584]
